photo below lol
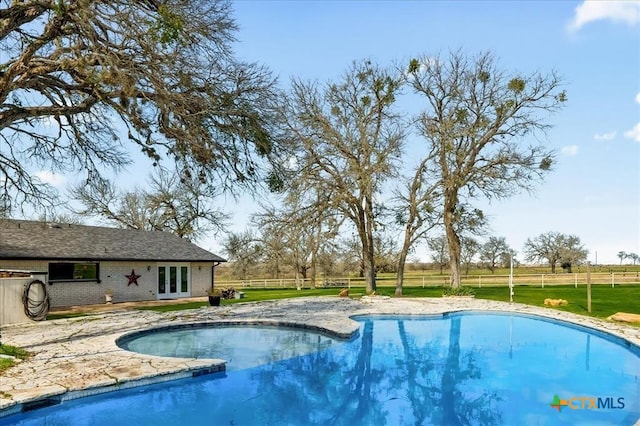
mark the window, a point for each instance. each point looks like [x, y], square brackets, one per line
[74, 271]
[162, 280]
[184, 279]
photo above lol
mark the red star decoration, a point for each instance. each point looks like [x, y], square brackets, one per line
[133, 278]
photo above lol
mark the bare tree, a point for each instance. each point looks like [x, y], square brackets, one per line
[101, 198]
[386, 253]
[439, 251]
[622, 255]
[476, 120]
[495, 252]
[83, 82]
[301, 233]
[416, 211]
[244, 253]
[184, 206]
[68, 218]
[555, 248]
[469, 248]
[349, 145]
[274, 248]
[350, 250]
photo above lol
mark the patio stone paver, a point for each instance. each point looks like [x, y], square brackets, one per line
[78, 356]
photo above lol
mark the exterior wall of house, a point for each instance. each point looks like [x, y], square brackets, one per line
[200, 278]
[114, 276]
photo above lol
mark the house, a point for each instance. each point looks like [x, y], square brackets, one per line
[83, 262]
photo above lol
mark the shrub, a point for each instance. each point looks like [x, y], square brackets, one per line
[458, 291]
[229, 293]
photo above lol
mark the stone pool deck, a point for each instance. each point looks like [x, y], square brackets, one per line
[78, 356]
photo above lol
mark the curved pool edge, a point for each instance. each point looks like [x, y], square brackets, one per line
[89, 342]
[331, 332]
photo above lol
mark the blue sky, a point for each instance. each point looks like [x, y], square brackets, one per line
[594, 191]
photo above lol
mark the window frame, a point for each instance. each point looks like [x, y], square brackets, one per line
[55, 276]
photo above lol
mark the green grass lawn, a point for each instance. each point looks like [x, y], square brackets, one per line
[14, 352]
[51, 317]
[605, 301]
[251, 295]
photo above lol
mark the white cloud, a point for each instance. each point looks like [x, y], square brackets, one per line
[605, 136]
[625, 11]
[633, 133]
[638, 98]
[51, 178]
[569, 150]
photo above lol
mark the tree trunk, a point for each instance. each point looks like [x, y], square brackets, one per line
[453, 240]
[298, 286]
[314, 270]
[368, 259]
[365, 232]
[400, 276]
[370, 270]
[402, 259]
[454, 262]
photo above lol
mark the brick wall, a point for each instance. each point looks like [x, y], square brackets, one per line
[113, 275]
[200, 279]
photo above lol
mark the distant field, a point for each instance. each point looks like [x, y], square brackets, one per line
[415, 272]
[542, 277]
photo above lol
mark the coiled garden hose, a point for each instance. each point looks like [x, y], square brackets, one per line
[36, 300]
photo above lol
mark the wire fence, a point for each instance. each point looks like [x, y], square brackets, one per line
[601, 278]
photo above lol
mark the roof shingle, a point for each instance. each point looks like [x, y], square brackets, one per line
[21, 239]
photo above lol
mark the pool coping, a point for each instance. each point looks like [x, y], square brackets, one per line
[80, 356]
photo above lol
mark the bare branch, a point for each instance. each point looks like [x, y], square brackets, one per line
[74, 73]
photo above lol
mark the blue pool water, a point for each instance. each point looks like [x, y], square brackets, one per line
[240, 346]
[466, 368]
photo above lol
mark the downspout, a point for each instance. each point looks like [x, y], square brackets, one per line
[213, 272]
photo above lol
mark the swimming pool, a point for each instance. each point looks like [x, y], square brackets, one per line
[241, 346]
[461, 368]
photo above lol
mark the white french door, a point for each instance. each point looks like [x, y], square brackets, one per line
[174, 281]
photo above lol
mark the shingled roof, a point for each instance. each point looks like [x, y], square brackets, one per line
[21, 240]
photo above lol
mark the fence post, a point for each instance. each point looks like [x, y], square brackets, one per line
[542, 280]
[479, 281]
[588, 287]
[423, 281]
[511, 279]
[576, 280]
[613, 279]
